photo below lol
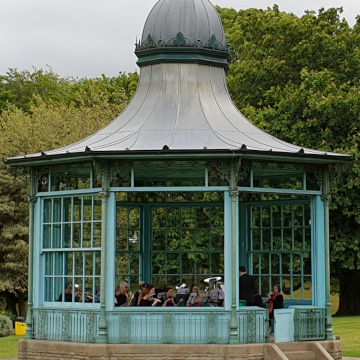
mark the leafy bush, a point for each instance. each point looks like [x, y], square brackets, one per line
[6, 327]
[8, 314]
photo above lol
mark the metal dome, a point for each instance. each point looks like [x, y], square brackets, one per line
[197, 20]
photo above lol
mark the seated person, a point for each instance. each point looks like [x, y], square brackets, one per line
[169, 300]
[135, 299]
[67, 294]
[97, 294]
[182, 295]
[89, 297]
[152, 296]
[194, 297]
[217, 296]
[78, 293]
[258, 301]
[121, 294]
[146, 296]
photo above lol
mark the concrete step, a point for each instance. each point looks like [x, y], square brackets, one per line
[300, 355]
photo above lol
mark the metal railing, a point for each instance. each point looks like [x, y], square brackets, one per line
[309, 323]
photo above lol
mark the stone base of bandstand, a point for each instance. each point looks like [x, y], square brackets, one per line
[54, 350]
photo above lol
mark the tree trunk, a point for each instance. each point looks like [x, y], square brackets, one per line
[22, 305]
[349, 303]
[11, 304]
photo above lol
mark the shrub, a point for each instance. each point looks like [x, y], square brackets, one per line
[6, 327]
[8, 314]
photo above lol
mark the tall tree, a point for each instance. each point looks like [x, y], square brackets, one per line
[52, 112]
[298, 79]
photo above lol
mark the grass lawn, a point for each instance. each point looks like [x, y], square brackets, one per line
[348, 327]
[9, 346]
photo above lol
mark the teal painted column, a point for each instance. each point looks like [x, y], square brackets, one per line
[37, 264]
[234, 325]
[146, 234]
[243, 231]
[326, 198]
[102, 338]
[317, 250]
[32, 202]
[227, 250]
[110, 245]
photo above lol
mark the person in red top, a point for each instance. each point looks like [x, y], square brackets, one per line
[276, 301]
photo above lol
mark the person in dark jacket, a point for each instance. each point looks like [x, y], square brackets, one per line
[67, 294]
[247, 287]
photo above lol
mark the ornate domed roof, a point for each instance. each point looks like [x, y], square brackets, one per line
[183, 31]
[197, 20]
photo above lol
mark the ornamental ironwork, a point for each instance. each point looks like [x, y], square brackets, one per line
[181, 41]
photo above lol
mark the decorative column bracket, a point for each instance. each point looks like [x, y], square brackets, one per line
[239, 168]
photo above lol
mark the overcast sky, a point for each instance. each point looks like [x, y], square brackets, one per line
[87, 38]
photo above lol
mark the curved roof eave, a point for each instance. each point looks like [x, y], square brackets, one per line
[44, 159]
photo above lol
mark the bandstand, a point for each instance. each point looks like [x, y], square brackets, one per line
[180, 187]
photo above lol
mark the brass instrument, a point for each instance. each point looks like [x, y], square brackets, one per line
[130, 297]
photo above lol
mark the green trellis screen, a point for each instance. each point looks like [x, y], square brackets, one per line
[279, 247]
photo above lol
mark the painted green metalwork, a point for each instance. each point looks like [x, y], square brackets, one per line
[32, 201]
[110, 251]
[185, 326]
[318, 246]
[280, 246]
[171, 241]
[309, 323]
[326, 200]
[140, 210]
[228, 249]
[66, 325]
[257, 177]
[38, 271]
[181, 41]
[180, 56]
[182, 50]
[187, 243]
[234, 327]
[183, 155]
[71, 244]
[243, 236]
[102, 337]
[129, 245]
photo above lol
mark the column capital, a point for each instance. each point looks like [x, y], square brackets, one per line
[326, 198]
[104, 194]
[234, 194]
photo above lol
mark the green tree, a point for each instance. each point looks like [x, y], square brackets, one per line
[20, 87]
[52, 112]
[298, 79]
